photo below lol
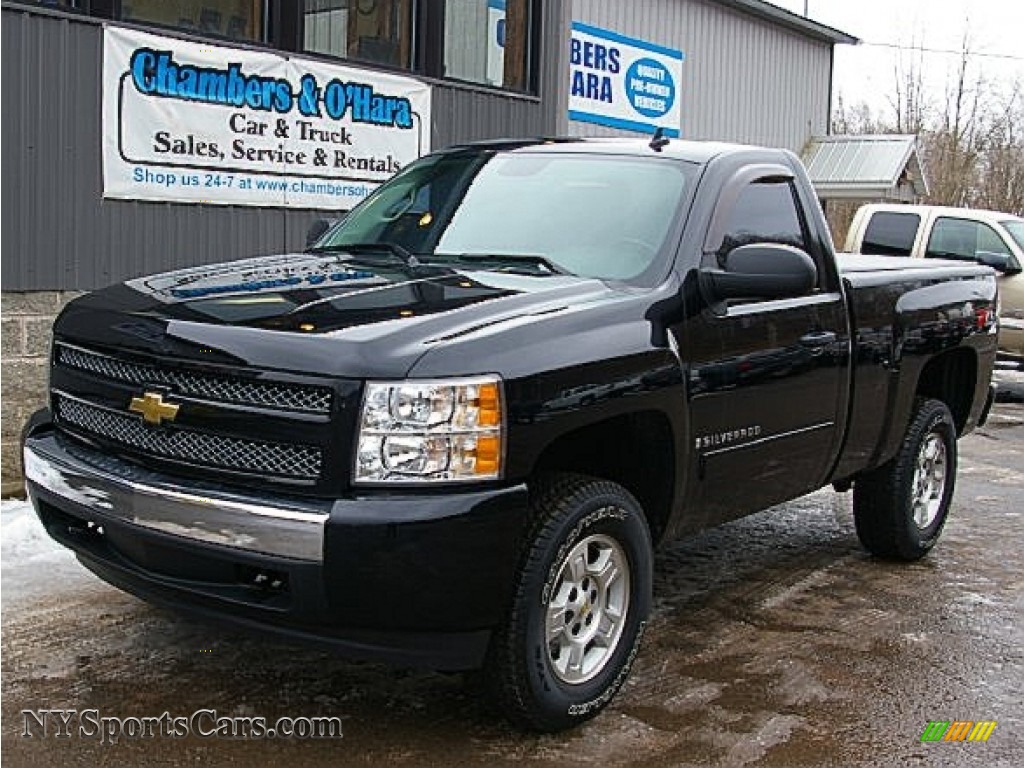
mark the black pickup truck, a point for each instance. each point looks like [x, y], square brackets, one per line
[451, 432]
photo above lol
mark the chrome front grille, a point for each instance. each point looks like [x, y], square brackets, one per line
[301, 462]
[226, 389]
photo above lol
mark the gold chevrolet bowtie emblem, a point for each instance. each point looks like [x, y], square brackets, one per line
[153, 408]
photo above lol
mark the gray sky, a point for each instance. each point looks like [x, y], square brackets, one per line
[865, 72]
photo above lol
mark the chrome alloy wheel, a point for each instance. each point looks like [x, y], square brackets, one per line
[588, 607]
[929, 480]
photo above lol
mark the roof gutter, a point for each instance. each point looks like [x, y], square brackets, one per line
[784, 18]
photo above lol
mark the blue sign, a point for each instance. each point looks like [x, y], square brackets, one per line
[623, 82]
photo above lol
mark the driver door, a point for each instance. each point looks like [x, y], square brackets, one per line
[766, 378]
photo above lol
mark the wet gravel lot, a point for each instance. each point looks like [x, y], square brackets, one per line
[775, 641]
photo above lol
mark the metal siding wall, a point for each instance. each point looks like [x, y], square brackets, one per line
[744, 79]
[58, 232]
[461, 116]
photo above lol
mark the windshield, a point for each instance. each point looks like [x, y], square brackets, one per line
[590, 215]
[1016, 229]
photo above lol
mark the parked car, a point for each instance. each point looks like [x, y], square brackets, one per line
[930, 231]
[451, 433]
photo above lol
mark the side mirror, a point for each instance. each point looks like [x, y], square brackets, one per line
[762, 271]
[317, 228]
[1000, 262]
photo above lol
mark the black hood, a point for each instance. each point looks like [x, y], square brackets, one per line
[325, 314]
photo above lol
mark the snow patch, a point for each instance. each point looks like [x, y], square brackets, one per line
[23, 540]
[32, 562]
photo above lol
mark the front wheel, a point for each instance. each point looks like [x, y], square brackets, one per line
[581, 603]
[900, 508]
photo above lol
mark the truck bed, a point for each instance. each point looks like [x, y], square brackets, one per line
[855, 263]
[904, 312]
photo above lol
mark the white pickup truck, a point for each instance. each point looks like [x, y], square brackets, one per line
[930, 231]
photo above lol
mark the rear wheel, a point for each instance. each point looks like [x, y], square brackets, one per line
[900, 508]
[582, 599]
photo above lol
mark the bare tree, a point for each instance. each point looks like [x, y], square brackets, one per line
[1000, 183]
[858, 119]
[953, 149]
[971, 140]
[908, 100]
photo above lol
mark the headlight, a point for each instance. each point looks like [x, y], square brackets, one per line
[428, 431]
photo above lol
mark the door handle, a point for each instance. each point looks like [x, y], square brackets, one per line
[816, 339]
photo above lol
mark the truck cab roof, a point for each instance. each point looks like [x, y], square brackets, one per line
[689, 151]
[976, 214]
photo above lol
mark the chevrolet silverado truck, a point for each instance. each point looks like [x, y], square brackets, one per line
[451, 432]
[936, 232]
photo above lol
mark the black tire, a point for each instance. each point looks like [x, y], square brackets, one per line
[572, 514]
[886, 499]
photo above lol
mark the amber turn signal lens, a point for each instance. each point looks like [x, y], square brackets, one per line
[488, 455]
[489, 405]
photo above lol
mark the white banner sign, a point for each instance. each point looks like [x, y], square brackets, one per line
[623, 82]
[195, 123]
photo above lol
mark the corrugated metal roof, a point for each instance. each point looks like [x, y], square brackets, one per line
[865, 166]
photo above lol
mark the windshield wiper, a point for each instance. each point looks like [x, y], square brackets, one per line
[498, 258]
[369, 249]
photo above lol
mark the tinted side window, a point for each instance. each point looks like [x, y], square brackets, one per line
[962, 239]
[990, 242]
[890, 234]
[766, 212]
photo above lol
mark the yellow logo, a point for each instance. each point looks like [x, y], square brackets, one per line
[153, 408]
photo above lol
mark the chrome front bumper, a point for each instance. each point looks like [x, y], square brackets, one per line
[110, 489]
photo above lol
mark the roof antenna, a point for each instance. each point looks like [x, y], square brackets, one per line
[659, 140]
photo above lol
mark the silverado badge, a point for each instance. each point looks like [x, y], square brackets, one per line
[153, 408]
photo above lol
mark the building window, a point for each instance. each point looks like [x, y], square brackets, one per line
[485, 41]
[233, 19]
[378, 31]
[490, 42]
[65, 5]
